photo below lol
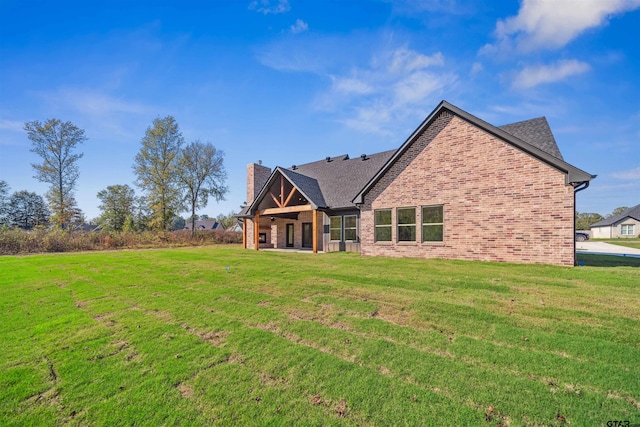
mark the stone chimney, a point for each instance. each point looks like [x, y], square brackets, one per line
[257, 176]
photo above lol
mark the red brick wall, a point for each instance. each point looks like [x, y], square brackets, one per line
[500, 204]
[257, 176]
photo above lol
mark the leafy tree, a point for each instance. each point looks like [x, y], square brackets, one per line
[228, 221]
[129, 226]
[617, 211]
[55, 142]
[203, 217]
[585, 219]
[201, 173]
[27, 210]
[177, 223]
[117, 204]
[4, 202]
[155, 168]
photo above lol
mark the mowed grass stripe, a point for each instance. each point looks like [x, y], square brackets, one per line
[174, 336]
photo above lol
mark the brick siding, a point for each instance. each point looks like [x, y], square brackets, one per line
[500, 204]
[257, 176]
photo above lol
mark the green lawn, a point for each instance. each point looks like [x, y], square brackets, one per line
[222, 336]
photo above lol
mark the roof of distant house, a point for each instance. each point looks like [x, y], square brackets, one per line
[204, 225]
[633, 212]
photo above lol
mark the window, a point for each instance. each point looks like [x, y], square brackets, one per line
[626, 230]
[350, 227]
[432, 224]
[382, 219]
[406, 224]
[335, 228]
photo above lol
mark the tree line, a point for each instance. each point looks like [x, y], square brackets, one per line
[172, 176]
[584, 220]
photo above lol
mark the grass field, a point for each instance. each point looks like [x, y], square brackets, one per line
[222, 336]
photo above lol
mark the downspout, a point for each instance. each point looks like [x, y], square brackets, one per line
[582, 186]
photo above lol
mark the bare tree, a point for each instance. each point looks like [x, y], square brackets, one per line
[201, 172]
[55, 142]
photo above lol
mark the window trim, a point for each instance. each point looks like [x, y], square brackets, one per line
[414, 224]
[376, 226]
[423, 223]
[330, 228]
[629, 228]
[345, 228]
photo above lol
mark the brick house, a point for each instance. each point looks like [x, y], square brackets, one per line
[457, 188]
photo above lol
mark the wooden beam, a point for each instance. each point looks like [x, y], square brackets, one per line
[244, 233]
[288, 209]
[314, 229]
[281, 204]
[275, 199]
[256, 231]
[286, 202]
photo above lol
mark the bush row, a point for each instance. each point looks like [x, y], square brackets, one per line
[16, 241]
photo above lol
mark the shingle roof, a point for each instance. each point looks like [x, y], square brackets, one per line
[633, 212]
[341, 178]
[202, 224]
[307, 185]
[339, 182]
[537, 133]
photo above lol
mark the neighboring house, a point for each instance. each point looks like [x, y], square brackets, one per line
[204, 225]
[625, 224]
[457, 188]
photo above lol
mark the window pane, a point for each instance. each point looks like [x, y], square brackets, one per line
[432, 233]
[335, 234]
[350, 234]
[350, 221]
[336, 222]
[383, 217]
[432, 214]
[407, 233]
[383, 234]
[407, 216]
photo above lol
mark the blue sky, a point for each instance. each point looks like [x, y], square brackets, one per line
[289, 82]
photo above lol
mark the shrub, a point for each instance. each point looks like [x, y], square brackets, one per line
[17, 241]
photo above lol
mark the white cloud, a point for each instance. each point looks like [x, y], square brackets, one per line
[94, 103]
[413, 7]
[547, 24]
[631, 174]
[351, 85]
[540, 74]
[372, 87]
[406, 60]
[396, 85]
[11, 125]
[476, 68]
[299, 27]
[267, 6]
[417, 86]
